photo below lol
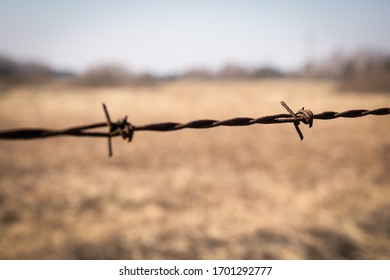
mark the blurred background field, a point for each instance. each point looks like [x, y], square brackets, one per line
[225, 193]
[253, 192]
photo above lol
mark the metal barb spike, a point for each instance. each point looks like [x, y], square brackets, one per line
[110, 126]
[296, 119]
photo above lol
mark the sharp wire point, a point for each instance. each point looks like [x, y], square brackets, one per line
[110, 126]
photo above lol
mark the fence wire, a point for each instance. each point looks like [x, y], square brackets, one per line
[126, 130]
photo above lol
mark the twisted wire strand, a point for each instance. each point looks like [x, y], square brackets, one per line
[126, 130]
[32, 133]
[273, 119]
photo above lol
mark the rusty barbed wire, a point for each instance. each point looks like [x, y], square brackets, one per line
[126, 130]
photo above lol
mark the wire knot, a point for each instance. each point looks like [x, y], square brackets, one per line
[123, 128]
[305, 116]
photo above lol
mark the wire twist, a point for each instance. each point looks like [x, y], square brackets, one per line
[126, 130]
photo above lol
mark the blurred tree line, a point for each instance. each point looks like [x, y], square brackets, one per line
[12, 72]
[365, 70]
[113, 75]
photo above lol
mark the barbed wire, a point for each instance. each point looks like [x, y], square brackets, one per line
[126, 130]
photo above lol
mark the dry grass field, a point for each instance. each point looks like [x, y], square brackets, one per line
[253, 192]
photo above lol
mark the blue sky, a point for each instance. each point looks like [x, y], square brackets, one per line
[169, 36]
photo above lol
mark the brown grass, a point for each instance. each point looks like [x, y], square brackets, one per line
[224, 193]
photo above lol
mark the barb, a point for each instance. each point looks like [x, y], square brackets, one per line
[122, 127]
[126, 130]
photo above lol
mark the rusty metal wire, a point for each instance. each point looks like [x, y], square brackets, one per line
[126, 130]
